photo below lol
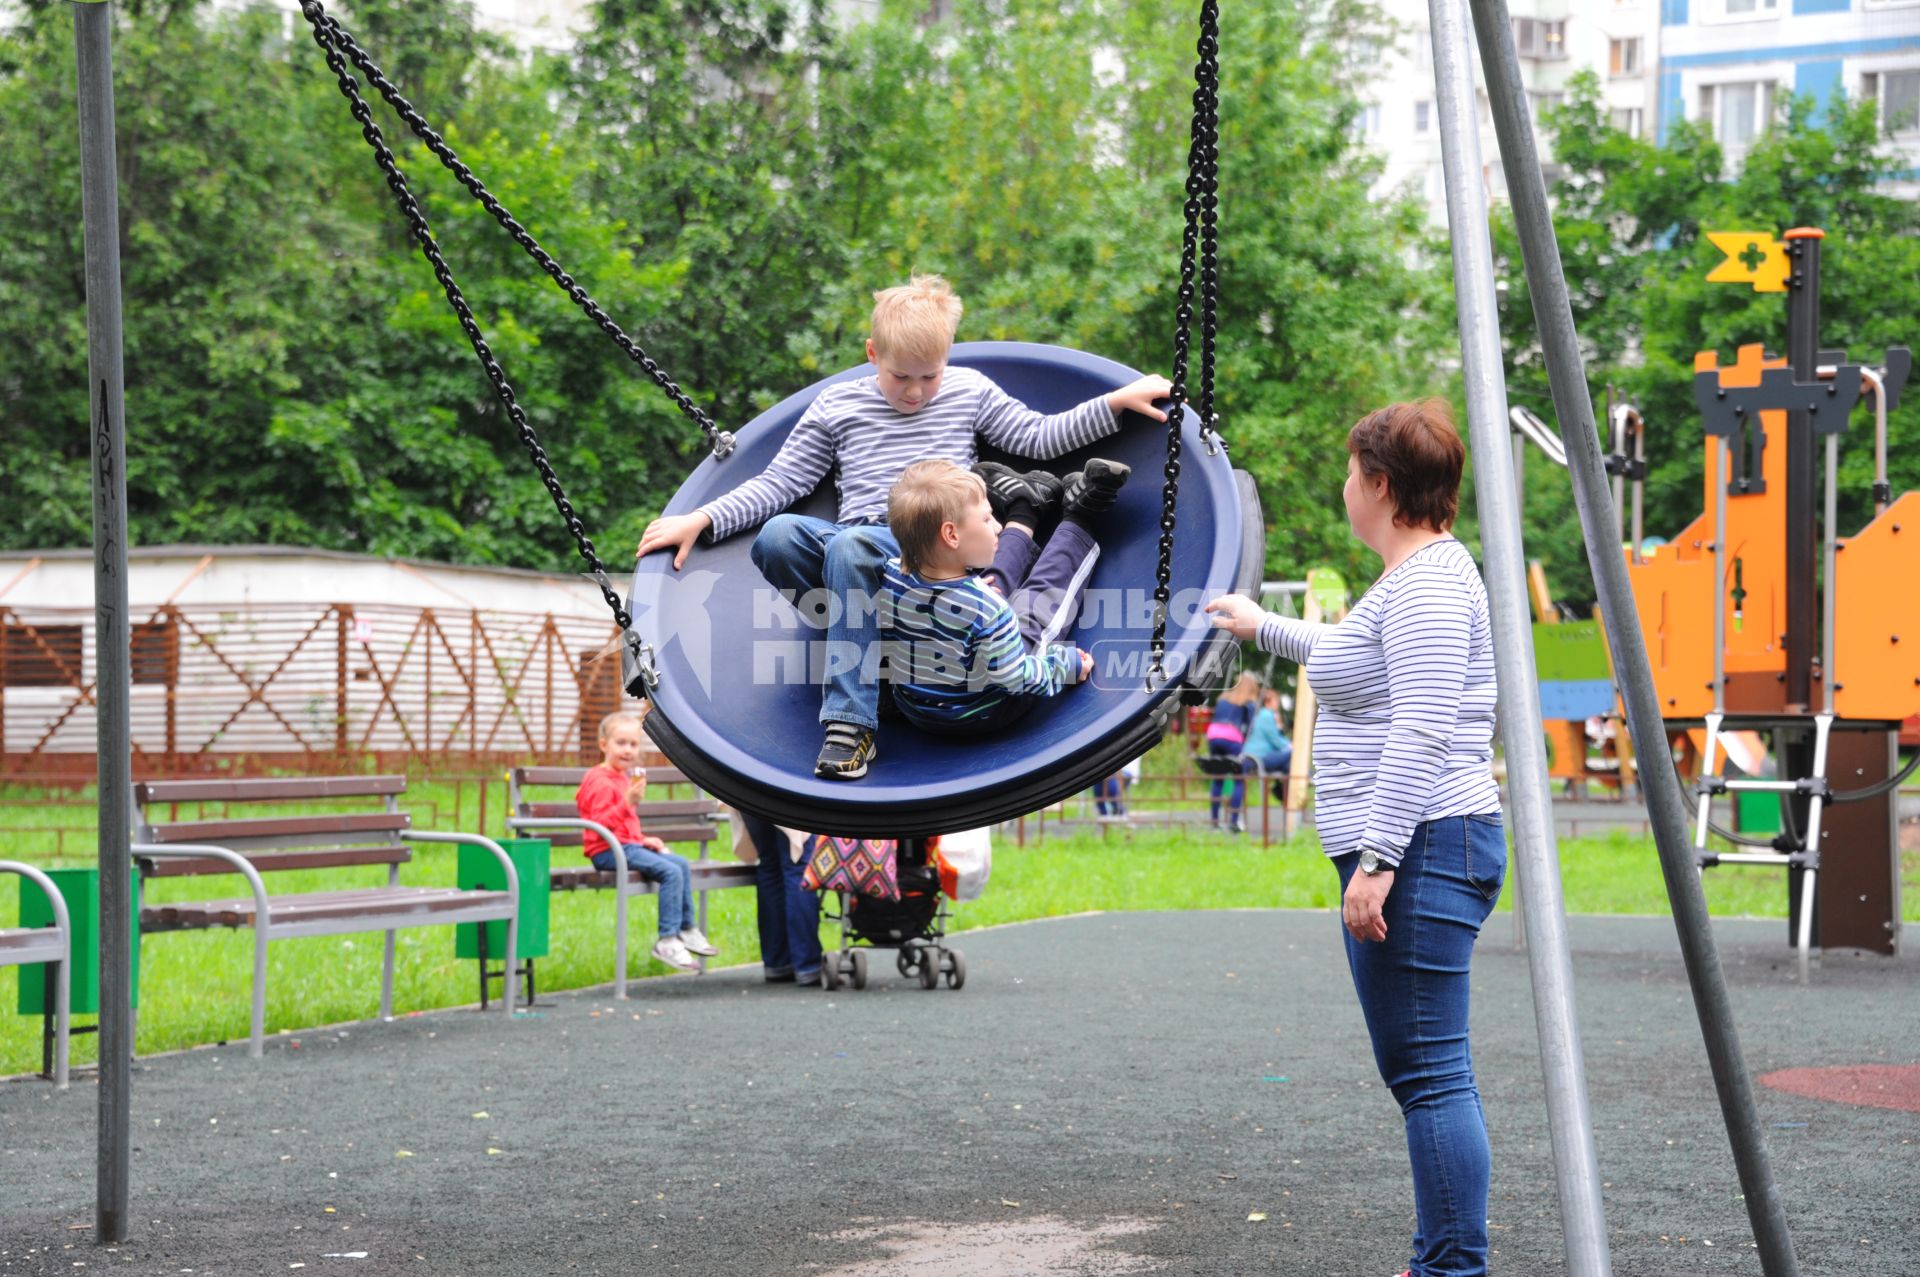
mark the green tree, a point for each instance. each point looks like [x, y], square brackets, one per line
[1047, 180]
[1631, 216]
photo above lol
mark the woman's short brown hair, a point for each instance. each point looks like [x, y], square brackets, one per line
[1418, 448]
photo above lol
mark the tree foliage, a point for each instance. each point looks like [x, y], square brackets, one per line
[1631, 217]
[730, 179]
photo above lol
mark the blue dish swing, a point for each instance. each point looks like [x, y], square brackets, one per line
[733, 706]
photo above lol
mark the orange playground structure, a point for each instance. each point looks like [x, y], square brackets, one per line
[1761, 616]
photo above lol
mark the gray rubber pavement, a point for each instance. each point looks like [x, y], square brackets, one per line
[1109, 1094]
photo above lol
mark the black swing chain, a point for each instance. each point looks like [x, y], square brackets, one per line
[720, 441]
[1202, 234]
[326, 32]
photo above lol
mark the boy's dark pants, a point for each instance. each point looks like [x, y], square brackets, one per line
[1045, 585]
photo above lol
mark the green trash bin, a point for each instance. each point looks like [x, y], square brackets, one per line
[478, 870]
[1756, 811]
[81, 888]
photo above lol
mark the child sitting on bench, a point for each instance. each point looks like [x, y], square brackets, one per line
[606, 797]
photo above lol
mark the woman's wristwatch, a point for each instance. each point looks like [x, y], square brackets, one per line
[1371, 864]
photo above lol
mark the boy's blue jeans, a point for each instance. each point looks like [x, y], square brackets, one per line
[789, 914]
[1413, 993]
[670, 871]
[799, 553]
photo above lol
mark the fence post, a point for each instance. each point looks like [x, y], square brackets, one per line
[342, 616]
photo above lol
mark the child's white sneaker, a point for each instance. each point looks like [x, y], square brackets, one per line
[671, 951]
[697, 942]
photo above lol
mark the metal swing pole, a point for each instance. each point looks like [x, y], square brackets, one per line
[100, 210]
[1536, 855]
[1666, 807]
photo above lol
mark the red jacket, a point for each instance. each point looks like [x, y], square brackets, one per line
[602, 797]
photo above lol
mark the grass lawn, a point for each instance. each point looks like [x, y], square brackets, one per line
[195, 984]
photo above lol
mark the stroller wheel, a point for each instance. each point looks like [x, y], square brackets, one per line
[929, 969]
[956, 968]
[905, 961]
[859, 968]
[830, 972]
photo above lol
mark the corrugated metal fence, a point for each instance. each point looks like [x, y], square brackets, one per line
[307, 686]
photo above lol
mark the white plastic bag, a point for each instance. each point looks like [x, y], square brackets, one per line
[966, 861]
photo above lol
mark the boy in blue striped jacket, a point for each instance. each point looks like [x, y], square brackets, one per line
[865, 432]
[974, 614]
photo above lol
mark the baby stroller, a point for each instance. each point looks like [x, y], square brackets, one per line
[915, 926]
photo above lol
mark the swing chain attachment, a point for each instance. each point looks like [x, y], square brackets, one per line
[334, 42]
[1216, 442]
[1202, 239]
[334, 37]
[638, 673]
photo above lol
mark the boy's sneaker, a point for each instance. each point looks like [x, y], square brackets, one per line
[670, 951]
[846, 753]
[1092, 491]
[697, 943]
[1031, 498]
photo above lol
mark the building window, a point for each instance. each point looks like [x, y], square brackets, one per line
[1630, 120]
[1749, 8]
[41, 655]
[1367, 123]
[1422, 116]
[1896, 95]
[1539, 103]
[1623, 56]
[1536, 38]
[1737, 113]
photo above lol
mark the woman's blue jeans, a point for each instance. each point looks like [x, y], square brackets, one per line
[667, 868]
[1413, 993]
[789, 914]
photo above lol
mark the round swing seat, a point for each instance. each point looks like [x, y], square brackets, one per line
[735, 671]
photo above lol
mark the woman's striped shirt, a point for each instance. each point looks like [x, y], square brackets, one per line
[850, 425]
[1406, 691]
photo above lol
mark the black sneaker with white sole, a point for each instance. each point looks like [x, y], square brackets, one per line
[1092, 491]
[846, 753]
[1032, 498]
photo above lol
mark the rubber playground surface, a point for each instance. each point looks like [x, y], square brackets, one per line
[1110, 1094]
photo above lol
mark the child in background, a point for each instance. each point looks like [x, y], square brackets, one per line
[1226, 738]
[607, 796]
[1266, 743]
[1110, 795]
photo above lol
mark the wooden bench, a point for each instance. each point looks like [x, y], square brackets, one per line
[255, 846]
[22, 945]
[694, 819]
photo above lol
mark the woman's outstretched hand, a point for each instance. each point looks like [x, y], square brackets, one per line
[1362, 908]
[1237, 614]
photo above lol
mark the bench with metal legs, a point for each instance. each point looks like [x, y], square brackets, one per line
[251, 847]
[53, 945]
[674, 820]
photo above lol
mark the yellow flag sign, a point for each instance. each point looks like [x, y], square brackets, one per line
[1753, 257]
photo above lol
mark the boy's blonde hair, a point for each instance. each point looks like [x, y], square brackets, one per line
[927, 495]
[917, 319]
[634, 716]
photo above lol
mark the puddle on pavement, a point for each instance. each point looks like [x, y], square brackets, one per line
[1040, 1244]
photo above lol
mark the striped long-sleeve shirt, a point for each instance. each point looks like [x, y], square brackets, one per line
[955, 656]
[851, 426]
[1406, 691]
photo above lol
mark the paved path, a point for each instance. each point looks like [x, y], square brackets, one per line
[1110, 1094]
